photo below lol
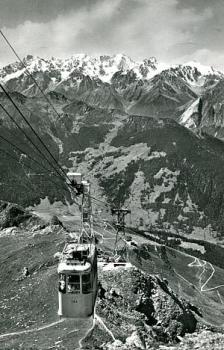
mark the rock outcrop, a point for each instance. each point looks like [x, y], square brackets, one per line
[138, 312]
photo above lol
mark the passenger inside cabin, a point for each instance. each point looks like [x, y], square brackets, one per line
[62, 286]
[73, 284]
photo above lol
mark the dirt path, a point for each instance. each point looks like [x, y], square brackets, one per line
[205, 267]
[25, 331]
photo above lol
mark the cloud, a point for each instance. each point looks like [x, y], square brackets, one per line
[139, 28]
[58, 36]
[207, 57]
[158, 26]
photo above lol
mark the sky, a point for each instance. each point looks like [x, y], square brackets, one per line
[173, 31]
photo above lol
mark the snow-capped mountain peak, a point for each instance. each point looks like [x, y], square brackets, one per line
[104, 68]
[203, 69]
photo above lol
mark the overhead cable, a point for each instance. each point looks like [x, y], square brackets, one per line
[28, 166]
[24, 152]
[35, 133]
[33, 79]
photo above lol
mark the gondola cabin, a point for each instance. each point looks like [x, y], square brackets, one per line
[77, 271]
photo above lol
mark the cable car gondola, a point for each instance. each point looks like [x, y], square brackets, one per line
[77, 280]
[77, 269]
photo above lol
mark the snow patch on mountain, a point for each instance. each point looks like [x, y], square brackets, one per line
[12, 75]
[186, 118]
[203, 69]
[104, 67]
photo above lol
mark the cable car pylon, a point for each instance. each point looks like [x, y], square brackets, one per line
[77, 268]
[120, 223]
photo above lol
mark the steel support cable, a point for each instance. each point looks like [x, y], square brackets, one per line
[18, 161]
[28, 166]
[25, 107]
[38, 86]
[35, 82]
[27, 71]
[31, 141]
[35, 133]
[32, 157]
[24, 152]
[27, 122]
[33, 79]
[21, 142]
[28, 109]
[117, 237]
[49, 102]
[100, 201]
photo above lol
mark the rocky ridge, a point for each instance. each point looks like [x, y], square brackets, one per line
[145, 88]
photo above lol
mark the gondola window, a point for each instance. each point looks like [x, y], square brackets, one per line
[74, 284]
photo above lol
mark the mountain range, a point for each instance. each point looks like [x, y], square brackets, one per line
[148, 135]
[146, 88]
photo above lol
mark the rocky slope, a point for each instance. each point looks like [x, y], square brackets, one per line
[135, 309]
[145, 317]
